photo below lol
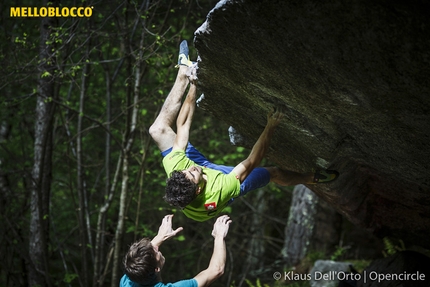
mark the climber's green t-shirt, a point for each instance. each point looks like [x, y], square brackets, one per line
[219, 188]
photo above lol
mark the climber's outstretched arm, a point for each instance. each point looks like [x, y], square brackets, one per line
[184, 120]
[243, 169]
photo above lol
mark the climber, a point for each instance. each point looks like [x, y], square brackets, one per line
[200, 188]
[143, 262]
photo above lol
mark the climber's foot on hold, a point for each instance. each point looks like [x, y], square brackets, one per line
[192, 72]
[325, 176]
[184, 58]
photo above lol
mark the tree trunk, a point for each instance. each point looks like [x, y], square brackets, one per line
[101, 220]
[5, 191]
[328, 229]
[128, 144]
[84, 230]
[256, 243]
[299, 229]
[41, 171]
[99, 273]
[99, 251]
[141, 186]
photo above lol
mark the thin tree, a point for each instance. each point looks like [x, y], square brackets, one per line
[42, 162]
[84, 230]
[128, 144]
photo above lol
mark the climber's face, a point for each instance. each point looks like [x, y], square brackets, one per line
[194, 174]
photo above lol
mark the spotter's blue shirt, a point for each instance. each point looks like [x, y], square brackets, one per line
[126, 282]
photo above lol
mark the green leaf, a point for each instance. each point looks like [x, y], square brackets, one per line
[68, 277]
[180, 238]
[130, 229]
[45, 74]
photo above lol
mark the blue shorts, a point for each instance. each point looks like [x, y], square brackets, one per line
[258, 178]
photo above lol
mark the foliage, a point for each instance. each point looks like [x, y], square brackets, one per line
[68, 278]
[297, 284]
[392, 246]
[98, 56]
[359, 265]
[95, 64]
[315, 255]
[340, 250]
[257, 283]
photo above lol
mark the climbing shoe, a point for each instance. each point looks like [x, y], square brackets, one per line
[184, 58]
[325, 176]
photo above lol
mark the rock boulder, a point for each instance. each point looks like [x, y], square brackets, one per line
[353, 80]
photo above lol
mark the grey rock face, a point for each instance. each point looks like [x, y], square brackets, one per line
[353, 80]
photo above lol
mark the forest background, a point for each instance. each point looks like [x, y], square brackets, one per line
[80, 178]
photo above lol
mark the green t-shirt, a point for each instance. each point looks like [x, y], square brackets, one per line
[219, 188]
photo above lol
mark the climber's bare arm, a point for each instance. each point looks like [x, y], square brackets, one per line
[243, 169]
[184, 120]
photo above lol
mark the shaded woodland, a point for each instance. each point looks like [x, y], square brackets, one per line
[80, 178]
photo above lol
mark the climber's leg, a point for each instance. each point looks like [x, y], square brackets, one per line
[286, 177]
[161, 130]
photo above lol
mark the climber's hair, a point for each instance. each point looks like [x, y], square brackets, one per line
[180, 191]
[140, 262]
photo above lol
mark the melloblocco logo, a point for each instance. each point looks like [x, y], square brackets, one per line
[51, 12]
